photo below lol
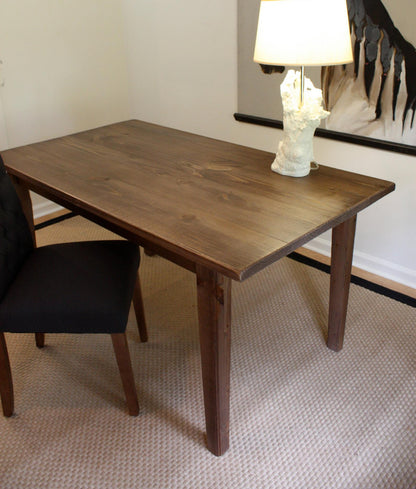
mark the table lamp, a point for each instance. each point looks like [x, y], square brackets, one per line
[301, 33]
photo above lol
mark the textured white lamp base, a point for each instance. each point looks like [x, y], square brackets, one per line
[295, 152]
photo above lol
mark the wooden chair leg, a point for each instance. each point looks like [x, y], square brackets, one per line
[6, 384]
[122, 353]
[40, 339]
[139, 310]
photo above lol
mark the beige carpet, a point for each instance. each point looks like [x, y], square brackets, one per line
[301, 416]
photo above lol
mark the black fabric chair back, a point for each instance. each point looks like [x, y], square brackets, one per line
[15, 237]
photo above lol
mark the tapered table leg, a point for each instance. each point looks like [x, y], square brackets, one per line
[26, 202]
[214, 312]
[341, 262]
[139, 310]
[6, 383]
[40, 340]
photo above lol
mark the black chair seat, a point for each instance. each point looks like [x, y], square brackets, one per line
[79, 287]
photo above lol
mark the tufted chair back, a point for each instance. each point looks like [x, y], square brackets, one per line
[15, 236]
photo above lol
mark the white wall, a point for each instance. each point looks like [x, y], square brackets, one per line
[183, 74]
[64, 67]
[69, 65]
[64, 70]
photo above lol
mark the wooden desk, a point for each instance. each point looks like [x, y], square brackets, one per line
[210, 206]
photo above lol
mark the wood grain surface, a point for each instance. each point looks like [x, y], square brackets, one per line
[204, 201]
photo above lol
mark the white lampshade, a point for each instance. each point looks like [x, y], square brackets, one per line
[303, 33]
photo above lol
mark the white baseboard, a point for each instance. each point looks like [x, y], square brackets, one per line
[44, 208]
[369, 263]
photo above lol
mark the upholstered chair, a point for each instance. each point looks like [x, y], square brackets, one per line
[77, 287]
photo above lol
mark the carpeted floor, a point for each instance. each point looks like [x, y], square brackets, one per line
[302, 416]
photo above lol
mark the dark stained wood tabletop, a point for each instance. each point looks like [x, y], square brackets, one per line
[211, 206]
[211, 202]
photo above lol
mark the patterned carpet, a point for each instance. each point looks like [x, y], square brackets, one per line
[302, 416]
